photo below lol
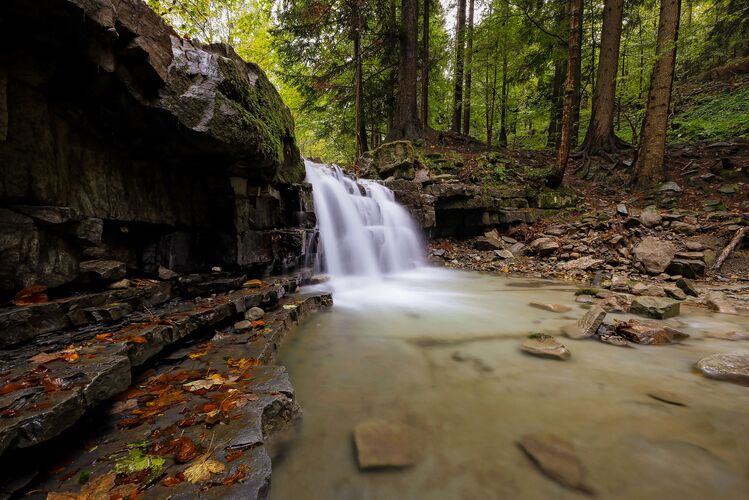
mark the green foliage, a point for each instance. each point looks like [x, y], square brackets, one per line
[713, 116]
[137, 461]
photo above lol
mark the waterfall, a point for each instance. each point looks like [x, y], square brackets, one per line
[363, 231]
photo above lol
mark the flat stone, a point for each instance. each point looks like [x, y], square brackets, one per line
[650, 218]
[587, 325]
[655, 307]
[544, 246]
[733, 367]
[558, 308]
[381, 443]
[518, 249]
[504, 254]
[545, 346]
[166, 273]
[648, 332]
[556, 458]
[694, 246]
[102, 270]
[675, 293]
[670, 186]
[728, 335]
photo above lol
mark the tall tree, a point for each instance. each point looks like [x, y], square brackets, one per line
[406, 124]
[600, 135]
[360, 129]
[468, 75]
[458, 75]
[648, 167]
[574, 12]
[504, 91]
[425, 65]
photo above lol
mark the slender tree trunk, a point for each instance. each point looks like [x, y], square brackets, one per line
[574, 9]
[406, 124]
[390, 58]
[556, 105]
[578, 78]
[359, 126]
[425, 66]
[469, 76]
[648, 167]
[600, 135]
[503, 102]
[458, 77]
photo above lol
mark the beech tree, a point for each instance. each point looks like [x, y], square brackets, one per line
[648, 166]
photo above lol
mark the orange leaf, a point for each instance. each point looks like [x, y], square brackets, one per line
[31, 295]
[137, 339]
[104, 336]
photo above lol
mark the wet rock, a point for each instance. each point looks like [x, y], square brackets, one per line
[545, 346]
[655, 307]
[254, 314]
[504, 254]
[518, 249]
[557, 308]
[654, 254]
[108, 313]
[120, 285]
[544, 246]
[689, 268]
[582, 264]
[733, 367]
[243, 325]
[587, 325]
[556, 458]
[93, 271]
[728, 335]
[615, 303]
[687, 286]
[381, 443]
[607, 334]
[675, 293]
[648, 332]
[167, 274]
[717, 302]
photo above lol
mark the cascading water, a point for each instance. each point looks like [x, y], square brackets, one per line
[363, 231]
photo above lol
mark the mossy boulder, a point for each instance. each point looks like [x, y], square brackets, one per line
[556, 199]
[396, 159]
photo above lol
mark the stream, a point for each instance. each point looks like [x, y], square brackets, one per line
[439, 351]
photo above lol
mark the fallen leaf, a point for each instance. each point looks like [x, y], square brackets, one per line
[258, 323]
[236, 476]
[33, 294]
[103, 336]
[233, 455]
[253, 284]
[121, 406]
[202, 470]
[170, 481]
[137, 339]
[136, 461]
[70, 355]
[99, 488]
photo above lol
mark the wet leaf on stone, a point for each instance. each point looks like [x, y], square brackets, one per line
[33, 294]
[202, 470]
[236, 476]
[103, 336]
[137, 461]
[174, 480]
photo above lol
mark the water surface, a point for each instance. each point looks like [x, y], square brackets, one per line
[438, 351]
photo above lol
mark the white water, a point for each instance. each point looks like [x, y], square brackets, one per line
[365, 235]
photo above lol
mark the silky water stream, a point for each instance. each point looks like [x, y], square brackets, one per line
[438, 351]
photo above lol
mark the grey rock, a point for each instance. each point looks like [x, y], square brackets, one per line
[655, 307]
[670, 187]
[504, 254]
[544, 246]
[581, 264]
[650, 218]
[254, 314]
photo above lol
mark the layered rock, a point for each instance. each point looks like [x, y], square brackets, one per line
[121, 141]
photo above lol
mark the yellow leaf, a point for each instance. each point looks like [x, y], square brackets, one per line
[202, 470]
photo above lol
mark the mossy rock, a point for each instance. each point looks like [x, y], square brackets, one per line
[556, 199]
[396, 159]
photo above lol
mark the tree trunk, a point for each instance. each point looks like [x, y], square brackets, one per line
[458, 77]
[648, 167]
[503, 101]
[359, 126]
[600, 135]
[425, 66]
[469, 76]
[390, 57]
[578, 77]
[406, 124]
[556, 105]
[574, 9]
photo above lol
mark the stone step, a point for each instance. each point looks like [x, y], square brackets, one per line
[229, 421]
[48, 383]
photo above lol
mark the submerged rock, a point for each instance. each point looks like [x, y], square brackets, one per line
[556, 458]
[557, 308]
[648, 332]
[587, 325]
[733, 367]
[655, 307]
[717, 302]
[380, 443]
[728, 335]
[545, 346]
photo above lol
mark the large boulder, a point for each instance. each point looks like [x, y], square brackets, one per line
[395, 159]
[654, 254]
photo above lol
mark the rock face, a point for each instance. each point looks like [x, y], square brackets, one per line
[654, 254]
[121, 141]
